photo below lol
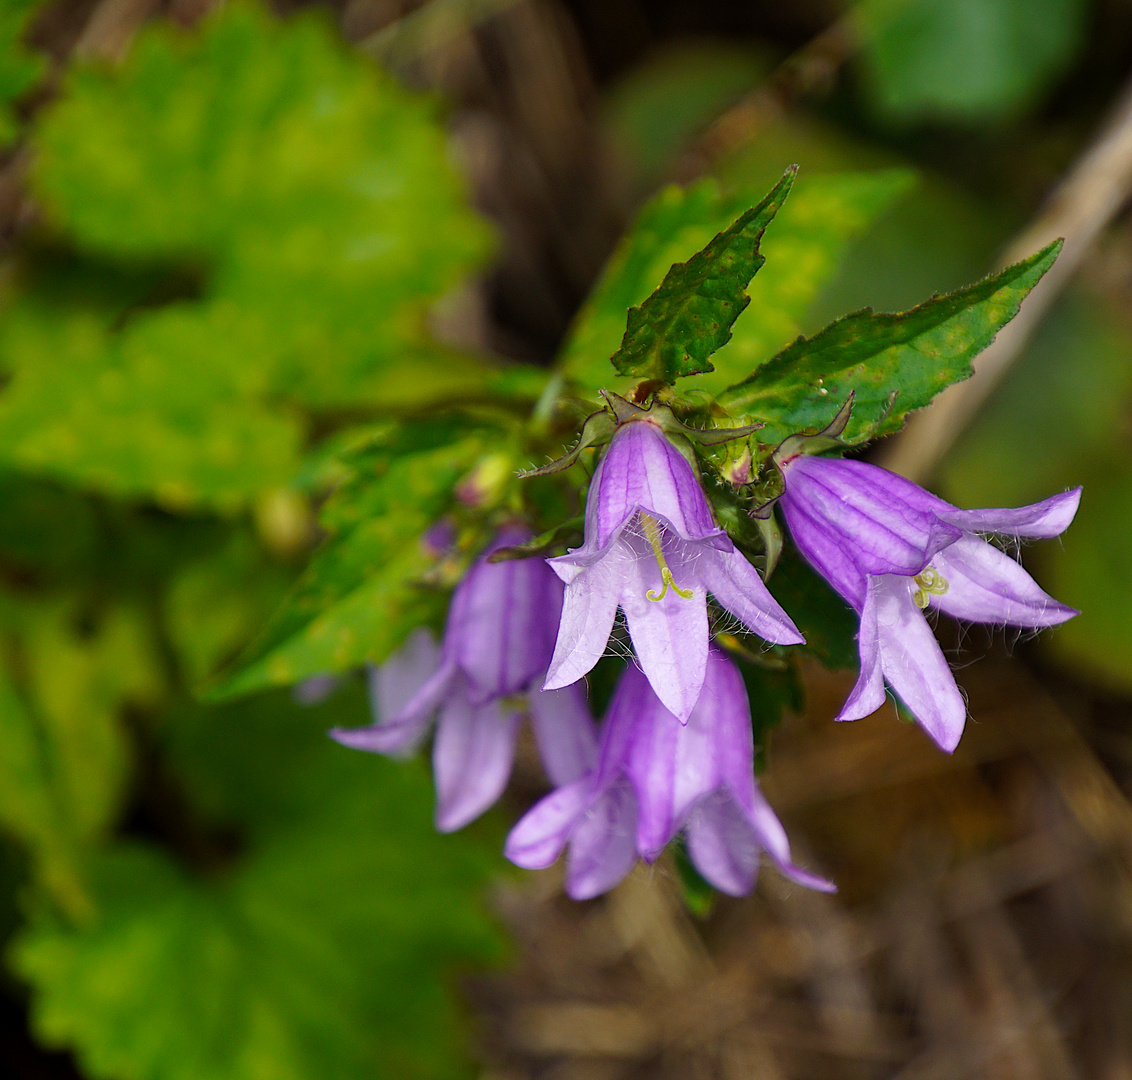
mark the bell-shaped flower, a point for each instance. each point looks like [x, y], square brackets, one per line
[655, 776]
[482, 681]
[653, 549]
[894, 550]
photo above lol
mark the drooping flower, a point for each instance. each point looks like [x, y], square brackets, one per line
[652, 548]
[893, 550]
[482, 681]
[655, 776]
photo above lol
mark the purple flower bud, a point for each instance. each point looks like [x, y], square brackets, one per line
[654, 777]
[483, 680]
[652, 548]
[892, 550]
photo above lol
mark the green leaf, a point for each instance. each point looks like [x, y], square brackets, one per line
[690, 314]
[966, 59]
[912, 355]
[65, 758]
[804, 248]
[362, 592]
[325, 950]
[827, 622]
[20, 69]
[298, 211]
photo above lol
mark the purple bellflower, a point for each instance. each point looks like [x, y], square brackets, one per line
[893, 550]
[653, 548]
[655, 776]
[483, 680]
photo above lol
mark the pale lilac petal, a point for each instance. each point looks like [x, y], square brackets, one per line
[1051, 517]
[892, 524]
[868, 693]
[670, 635]
[400, 734]
[986, 585]
[397, 740]
[542, 832]
[502, 621]
[642, 470]
[316, 689]
[603, 846]
[587, 618]
[564, 731]
[737, 587]
[772, 836]
[428, 698]
[722, 844]
[393, 685]
[471, 758]
[914, 664]
[828, 552]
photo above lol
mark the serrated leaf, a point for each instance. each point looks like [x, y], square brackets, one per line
[323, 951]
[804, 247]
[362, 592]
[299, 211]
[913, 354]
[690, 314]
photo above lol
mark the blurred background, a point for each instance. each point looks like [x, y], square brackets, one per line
[192, 891]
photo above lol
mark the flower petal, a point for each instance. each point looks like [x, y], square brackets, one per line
[737, 586]
[587, 619]
[603, 847]
[986, 585]
[642, 470]
[542, 832]
[670, 635]
[772, 836]
[868, 694]
[1051, 517]
[892, 525]
[392, 685]
[501, 624]
[471, 759]
[564, 731]
[722, 844]
[914, 664]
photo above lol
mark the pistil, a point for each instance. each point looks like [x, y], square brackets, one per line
[652, 532]
[930, 581]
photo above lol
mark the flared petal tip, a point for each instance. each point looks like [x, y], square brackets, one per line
[806, 879]
[392, 739]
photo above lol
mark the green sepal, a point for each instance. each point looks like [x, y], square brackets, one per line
[691, 313]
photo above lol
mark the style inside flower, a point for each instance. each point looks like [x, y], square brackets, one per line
[652, 548]
[893, 550]
[655, 776]
[483, 681]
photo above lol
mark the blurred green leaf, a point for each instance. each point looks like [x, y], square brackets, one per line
[912, 355]
[20, 69]
[689, 316]
[804, 246]
[65, 758]
[362, 592]
[324, 951]
[966, 59]
[304, 212]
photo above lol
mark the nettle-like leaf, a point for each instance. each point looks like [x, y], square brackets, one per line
[302, 209]
[65, 757]
[803, 248]
[891, 363]
[362, 593]
[323, 950]
[689, 316]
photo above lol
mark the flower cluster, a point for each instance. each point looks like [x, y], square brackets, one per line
[675, 749]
